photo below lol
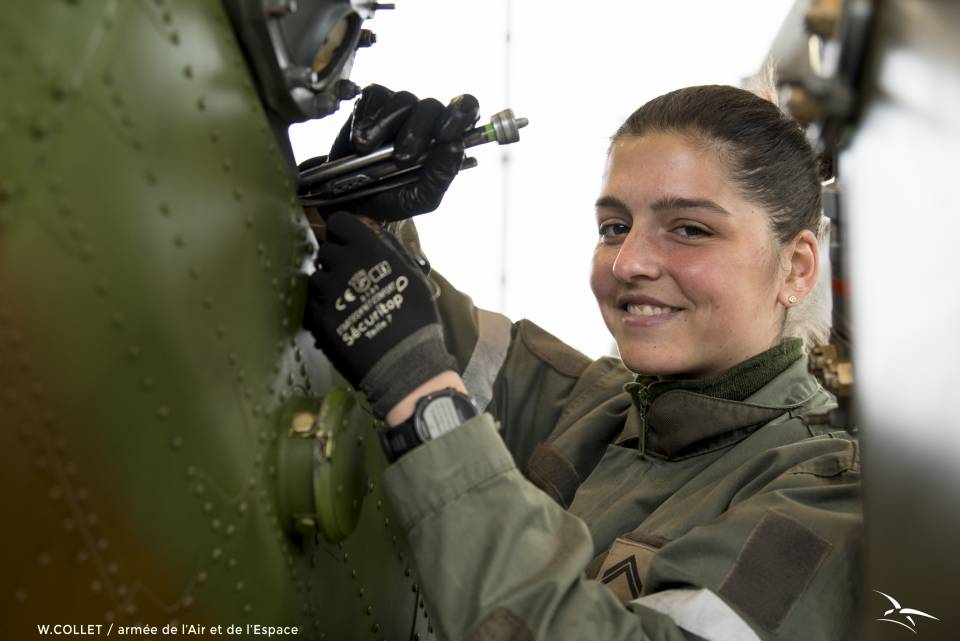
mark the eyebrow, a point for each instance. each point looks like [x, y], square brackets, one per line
[663, 204]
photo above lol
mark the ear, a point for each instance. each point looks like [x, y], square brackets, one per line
[802, 258]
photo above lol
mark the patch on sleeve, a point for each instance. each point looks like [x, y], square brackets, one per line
[552, 473]
[501, 625]
[776, 563]
[625, 568]
[552, 351]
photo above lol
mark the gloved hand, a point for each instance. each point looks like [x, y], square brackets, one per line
[370, 310]
[381, 117]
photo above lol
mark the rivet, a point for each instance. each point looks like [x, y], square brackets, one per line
[177, 443]
[379, 503]
[147, 383]
[240, 585]
[102, 544]
[151, 178]
[119, 320]
[165, 209]
[368, 610]
[92, 518]
[188, 71]
[221, 331]
[39, 129]
[167, 17]
[191, 471]
[216, 554]
[430, 629]
[82, 556]
[43, 560]
[249, 222]
[215, 524]
[54, 493]
[130, 608]
[96, 586]
[406, 572]
[208, 507]
[242, 508]
[20, 595]
[178, 241]
[175, 37]
[68, 524]
[194, 272]
[207, 302]
[199, 489]
[230, 530]
[83, 494]
[201, 577]
[113, 568]
[163, 412]
[201, 104]
[360, 592]
[232, 563]
[133, 352]
[226, 164]
[353, 574]
[101, 287]
[237, 194]
[215, 135]
[108, 616]
[187, 601]
[247, 609]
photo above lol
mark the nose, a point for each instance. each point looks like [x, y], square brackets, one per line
[638, 257]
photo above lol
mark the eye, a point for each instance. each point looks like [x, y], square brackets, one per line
[691, 231]
[613, 231]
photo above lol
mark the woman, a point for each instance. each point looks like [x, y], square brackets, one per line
[678, 493]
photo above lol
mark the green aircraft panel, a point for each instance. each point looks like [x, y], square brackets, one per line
[151, 361]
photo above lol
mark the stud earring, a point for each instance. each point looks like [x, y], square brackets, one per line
[792, 299]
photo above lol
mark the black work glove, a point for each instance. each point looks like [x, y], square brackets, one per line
[370, 310]
[381, 117]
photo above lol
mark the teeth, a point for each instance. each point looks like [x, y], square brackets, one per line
[647, 310]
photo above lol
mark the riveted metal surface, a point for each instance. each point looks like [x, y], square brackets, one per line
[150, 288]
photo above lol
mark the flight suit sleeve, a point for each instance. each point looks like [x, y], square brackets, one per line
[519, 373]
[498, 560]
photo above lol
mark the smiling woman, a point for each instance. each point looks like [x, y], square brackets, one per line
[684, 491]
[706, 222]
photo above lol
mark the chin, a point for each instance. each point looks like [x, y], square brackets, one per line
[643, 362]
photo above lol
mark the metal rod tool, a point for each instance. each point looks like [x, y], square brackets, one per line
[357, 176]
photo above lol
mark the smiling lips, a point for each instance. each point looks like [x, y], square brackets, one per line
[645, 307]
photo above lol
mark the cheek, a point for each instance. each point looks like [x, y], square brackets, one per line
[602, 281]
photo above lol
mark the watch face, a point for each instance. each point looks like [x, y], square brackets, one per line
[443, 412]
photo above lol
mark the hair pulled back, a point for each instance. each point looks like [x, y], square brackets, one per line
[770, 162]
[766, 152]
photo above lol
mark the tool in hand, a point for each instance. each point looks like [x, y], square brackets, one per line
[355, 176]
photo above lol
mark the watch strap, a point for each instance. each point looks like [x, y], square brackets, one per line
[400, 439]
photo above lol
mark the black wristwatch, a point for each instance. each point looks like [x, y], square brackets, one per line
[434, 415]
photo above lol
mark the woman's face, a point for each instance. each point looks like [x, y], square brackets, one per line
[686, 270]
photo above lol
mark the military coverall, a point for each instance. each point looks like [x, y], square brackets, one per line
[598, 513]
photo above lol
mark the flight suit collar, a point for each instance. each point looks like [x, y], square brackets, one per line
[676, 419]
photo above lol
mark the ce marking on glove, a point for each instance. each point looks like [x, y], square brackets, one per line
[361, 282]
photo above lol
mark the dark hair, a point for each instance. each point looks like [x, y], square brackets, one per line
[767, 153]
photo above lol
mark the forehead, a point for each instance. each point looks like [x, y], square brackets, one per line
[643, 169]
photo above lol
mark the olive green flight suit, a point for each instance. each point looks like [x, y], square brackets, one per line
[587, 518]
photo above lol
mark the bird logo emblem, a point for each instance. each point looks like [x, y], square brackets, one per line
[904, 613]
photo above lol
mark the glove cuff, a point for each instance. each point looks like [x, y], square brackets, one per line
[408, 365]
